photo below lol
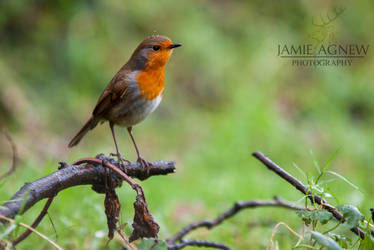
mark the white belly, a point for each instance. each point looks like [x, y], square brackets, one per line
[133, 112]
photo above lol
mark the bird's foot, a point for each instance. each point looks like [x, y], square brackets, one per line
[120, 158]
[145, 164]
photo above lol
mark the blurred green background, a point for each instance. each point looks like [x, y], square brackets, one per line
[227, 95]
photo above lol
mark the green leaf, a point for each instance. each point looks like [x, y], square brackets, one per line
[321, 215]
[343, 178]
[352, 215]
[323, 240]
[315, 162]
[325, 167]
[305, 215]
[300, 170]
[147, 243]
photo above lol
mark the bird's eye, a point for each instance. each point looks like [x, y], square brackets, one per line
[156, 47]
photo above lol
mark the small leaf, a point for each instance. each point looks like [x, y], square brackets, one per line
[300, 170]
[305, 215]
[352, 214]
[344, 179]
[323, 240]
[322, 215]
[327, 164]
[149, 243]
[315, 162]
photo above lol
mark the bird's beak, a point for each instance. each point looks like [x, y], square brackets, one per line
[175, 45]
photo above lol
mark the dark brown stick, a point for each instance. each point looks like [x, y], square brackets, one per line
[72, 175]
[35, 223]
[199, 243]
[302, 188]
[14, 155]
[238, 206]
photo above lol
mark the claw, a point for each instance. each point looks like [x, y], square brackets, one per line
[146, 164]
[120, 158]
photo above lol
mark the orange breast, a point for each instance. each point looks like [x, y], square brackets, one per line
[151, 83]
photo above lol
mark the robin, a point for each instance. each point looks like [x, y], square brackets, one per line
[134, 92]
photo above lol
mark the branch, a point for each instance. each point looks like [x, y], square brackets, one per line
[238, 206]
[199, 243]
[302, 188]
[72, 175]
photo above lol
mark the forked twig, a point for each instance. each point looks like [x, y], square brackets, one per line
[238, 206]
[302, 188]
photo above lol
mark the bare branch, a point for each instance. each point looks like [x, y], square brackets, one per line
[302, 188]
[14, 154]
[72, 175]
[238, 206]
[199, 243]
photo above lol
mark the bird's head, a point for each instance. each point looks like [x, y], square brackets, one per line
[153, 53]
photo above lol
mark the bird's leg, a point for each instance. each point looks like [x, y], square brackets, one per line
[118, 155]
[140, 159]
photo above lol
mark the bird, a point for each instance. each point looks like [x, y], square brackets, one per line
[134, 92]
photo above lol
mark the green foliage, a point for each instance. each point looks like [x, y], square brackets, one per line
[321, 215]
[368, 242]
[318, 220]
[352, 215]
[325, 241]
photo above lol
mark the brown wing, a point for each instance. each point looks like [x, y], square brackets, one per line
[115, 90]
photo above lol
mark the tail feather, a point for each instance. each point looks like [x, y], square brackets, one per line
[90, 124]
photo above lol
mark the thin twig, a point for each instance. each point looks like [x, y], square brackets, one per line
[124, 176]
[238, 206]
[302, 188]
[53, 225]
[33, 230]
[14, 154]
[35, 223]
[199, 243]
